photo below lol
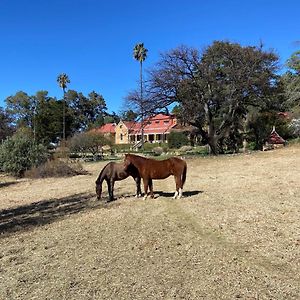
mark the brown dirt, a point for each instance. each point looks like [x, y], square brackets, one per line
[235, 234]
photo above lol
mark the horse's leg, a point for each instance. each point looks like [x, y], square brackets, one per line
[112, 184]
[151, 188]
[178, 187]
[109, 190]
[138, 186]
[146, 183]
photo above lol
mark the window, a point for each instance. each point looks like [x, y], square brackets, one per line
[121, 136]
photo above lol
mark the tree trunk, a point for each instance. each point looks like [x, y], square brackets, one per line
[213, 144]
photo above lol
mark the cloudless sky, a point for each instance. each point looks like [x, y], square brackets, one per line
[93, 40]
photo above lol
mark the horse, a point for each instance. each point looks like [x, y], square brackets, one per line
[150, 169]
[114, 172]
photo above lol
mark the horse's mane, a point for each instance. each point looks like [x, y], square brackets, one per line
[137, 157]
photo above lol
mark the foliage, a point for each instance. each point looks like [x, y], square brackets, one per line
[56, 168]
[128, 115]
[63, 80]
[177, 140]
[292, 82]
[19, 153]
[214, 90]
[91, 142]
[261, 125]
[294, 126]
[44, 114]
[157, 151]
[85, 111]
[6, 127]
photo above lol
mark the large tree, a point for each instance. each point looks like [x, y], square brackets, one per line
[140, 54]
[6, 127]
[214, 90]
[63, 80]
[21, 108]
[87, 112]
[292, 83]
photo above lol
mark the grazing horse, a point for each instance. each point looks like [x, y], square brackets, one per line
[158, 169]
[114, 172]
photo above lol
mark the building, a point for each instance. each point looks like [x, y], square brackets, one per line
[156, 130]
[274, 141]
[108, 130]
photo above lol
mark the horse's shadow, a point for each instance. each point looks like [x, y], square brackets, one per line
[184, 194]
[44, 212]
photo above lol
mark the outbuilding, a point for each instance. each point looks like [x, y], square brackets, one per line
[274, 141]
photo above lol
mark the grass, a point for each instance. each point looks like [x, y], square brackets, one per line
[235, 234]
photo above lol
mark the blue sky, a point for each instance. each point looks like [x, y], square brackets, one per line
[92, 40]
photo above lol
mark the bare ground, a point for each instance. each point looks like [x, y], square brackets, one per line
[235, 234]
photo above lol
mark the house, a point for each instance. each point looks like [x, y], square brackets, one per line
[108, 130]
[156, 130]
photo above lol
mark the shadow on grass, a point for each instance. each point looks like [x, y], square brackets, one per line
[184, 194]
[44, 212]
[5, 184]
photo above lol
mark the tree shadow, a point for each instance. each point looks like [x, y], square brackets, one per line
[5, 184]
[44, 212]
[184, 194]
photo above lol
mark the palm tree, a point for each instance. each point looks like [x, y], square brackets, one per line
[140, 54]
[63, 80]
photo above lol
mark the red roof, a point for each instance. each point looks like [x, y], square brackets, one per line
[106, 128]
[157, 124]
[275, 138]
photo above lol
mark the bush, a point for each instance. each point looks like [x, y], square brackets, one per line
[56, 168]
[88, 142]
[157, 151]
[20, 153]
[177, 140]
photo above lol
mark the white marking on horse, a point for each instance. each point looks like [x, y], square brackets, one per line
[180, 193]
[175, 195]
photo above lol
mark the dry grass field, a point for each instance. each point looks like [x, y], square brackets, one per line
[234, 235]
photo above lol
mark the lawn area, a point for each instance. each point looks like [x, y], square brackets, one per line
[234, 235]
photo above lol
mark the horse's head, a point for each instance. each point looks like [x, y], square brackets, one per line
[98, 190]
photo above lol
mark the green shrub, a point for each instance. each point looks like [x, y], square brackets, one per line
[177, 140]
[20, 153]
[157, 151]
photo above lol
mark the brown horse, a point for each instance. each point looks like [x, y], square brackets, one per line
[114, 172]
[154, 169]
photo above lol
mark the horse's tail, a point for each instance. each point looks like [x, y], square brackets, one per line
[184, 173]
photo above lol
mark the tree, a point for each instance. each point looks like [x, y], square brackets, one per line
[140, 54]
[216, 89]
[21, 107]
[63, 81]
[6, 128]
[291, 80]
[88, 142]
[129, 115]
[48, 118]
